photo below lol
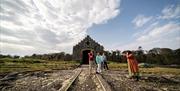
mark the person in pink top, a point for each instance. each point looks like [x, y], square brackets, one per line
[91, 60]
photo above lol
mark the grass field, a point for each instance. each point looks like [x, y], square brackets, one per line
[152, 70]
[12, 65]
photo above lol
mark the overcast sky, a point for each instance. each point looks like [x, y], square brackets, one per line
[48, 26]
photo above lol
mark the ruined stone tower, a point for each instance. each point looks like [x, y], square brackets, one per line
[81, 50]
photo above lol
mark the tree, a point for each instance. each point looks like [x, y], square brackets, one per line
[118, 55]
[176, 56]
[177, 52]
[16, 56]
[154, 51]
[140, 51]
[140, 55]
[33, 56]
[167, 55]
[68, 57]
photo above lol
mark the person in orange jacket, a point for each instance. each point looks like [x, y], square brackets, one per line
[132, 65]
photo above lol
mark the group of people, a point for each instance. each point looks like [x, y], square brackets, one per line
[101, 62]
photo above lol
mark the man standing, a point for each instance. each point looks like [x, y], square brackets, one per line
[105, 62]
[91, 58]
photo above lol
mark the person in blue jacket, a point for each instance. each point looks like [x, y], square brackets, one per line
[98, 61]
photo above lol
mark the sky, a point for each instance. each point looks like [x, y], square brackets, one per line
[49, 26]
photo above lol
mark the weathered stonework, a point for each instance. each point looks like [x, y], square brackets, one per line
[86, 44]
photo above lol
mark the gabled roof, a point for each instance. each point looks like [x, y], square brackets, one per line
[87, 38]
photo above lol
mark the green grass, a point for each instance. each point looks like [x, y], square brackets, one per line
[153, 70]
[160, 70]
[117, 66]
[11, 65]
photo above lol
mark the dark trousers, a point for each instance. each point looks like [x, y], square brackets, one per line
[106, 66]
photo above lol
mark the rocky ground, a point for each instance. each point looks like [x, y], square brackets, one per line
[118, 80]
[148, 82]
[34, 81]
[48, 81]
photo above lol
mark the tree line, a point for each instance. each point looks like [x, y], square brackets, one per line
[163, 56]
[52, 56]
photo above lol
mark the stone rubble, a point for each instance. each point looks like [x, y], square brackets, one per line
[119, 82]
[35, 81]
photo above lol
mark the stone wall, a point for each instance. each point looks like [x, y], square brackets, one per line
[86, 44]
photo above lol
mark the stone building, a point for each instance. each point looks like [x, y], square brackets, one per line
[81, 50]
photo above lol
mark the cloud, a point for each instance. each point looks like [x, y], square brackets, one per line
[146, 30]
[160, 32]
[170, 11]
[50, 25]
[166, 35]
[140, 20]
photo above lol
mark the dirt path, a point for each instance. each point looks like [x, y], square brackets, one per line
[86, 82]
